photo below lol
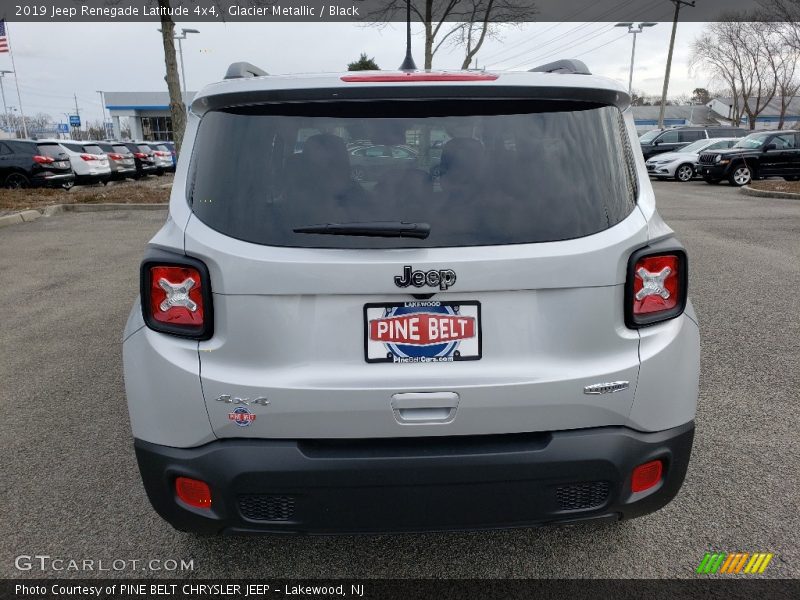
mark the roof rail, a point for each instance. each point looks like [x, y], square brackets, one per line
[568, 66]
[239, 70]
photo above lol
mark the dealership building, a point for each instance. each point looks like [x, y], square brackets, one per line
[147, 113]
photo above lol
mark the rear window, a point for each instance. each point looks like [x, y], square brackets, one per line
[121, 149]
[51, 150]
[144, 148]
[495, 172]
[93, 149]
[73, 147]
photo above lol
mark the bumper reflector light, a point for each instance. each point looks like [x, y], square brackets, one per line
[646, 476]
[193, 492]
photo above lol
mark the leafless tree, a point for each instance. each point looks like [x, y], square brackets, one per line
[736, 52]
[787, 13]
[783, 61]
[464, 23]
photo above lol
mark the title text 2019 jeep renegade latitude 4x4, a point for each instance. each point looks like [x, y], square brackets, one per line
[508, 344]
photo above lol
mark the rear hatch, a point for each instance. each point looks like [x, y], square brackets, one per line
[95, 150]
[120, 157]
[60, 158]
[476, 288]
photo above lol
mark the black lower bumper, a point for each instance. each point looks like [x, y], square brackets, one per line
[48, 179]
[415, 484]
[715, 172]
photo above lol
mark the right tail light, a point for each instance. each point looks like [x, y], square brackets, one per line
[656, 286]
[176, 295]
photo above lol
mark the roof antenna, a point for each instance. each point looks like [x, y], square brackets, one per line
[408, 61]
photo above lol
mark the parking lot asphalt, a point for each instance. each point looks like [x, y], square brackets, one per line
[71, 489]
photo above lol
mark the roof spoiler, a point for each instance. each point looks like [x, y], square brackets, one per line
[238, 70]
[568, 66]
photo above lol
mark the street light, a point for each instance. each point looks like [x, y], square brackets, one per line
[103, 110]
[3, 73]
[180, 37]
[635, 30]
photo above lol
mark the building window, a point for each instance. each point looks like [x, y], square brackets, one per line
[157, 128]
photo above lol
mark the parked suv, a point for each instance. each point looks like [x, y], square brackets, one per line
[144, 159]
[672, 139]
[25, 163]
[761, 154]
[120, 158]
[89, 167]
[505, 346]
[682, 164]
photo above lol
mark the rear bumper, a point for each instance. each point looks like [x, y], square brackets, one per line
[415, 484]
[93, 177]
[50, 179]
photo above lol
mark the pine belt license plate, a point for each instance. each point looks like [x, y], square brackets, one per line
[424, 331]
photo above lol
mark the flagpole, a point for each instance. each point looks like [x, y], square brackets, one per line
[16, 81]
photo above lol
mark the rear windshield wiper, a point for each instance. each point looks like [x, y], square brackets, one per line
[371, 229]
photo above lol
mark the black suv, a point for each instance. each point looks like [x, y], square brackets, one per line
[143, 157]
[667, 140]
[762, 154]
[25, 163]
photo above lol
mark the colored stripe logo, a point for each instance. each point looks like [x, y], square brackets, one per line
[734, 562]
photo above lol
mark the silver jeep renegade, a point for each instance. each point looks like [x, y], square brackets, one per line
[411, 301]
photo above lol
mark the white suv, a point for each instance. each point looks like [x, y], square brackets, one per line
[89, 167]
[508, 344]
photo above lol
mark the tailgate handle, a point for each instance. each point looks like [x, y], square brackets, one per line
[419, 408]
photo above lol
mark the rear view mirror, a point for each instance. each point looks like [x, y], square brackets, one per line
[768, 147]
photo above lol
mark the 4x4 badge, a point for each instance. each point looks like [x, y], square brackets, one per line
[444, 278]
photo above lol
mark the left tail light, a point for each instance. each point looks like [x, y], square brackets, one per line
[656, 286]
[176, 296]
[42, 160]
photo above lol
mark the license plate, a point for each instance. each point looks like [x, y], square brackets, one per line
[60, 164]
[424, 331]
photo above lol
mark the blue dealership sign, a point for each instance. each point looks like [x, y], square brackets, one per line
[75, 120]
[63, 128]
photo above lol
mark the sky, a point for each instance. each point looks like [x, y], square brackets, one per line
[56, 60]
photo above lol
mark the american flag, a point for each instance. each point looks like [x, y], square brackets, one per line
[3, 37]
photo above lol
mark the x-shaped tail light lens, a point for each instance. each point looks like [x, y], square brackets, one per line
[176, 295]
[656, 284]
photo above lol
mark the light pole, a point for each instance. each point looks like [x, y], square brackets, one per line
[181, 37]
[635, 30]
[3, 73]
[103, 109]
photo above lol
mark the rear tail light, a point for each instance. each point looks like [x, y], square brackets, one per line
[89, 157]
[193, 492]
[114, 156]
[43, 160]
[656, 286]
[176, 296]
[140, 155]
[161, 153]
[646, 476]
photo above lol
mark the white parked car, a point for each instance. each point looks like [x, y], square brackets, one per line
[509, 345]
[89, 167]
[683, 164]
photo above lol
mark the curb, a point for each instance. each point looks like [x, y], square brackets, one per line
[48, 211]
[748, 191]
[20, 217]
